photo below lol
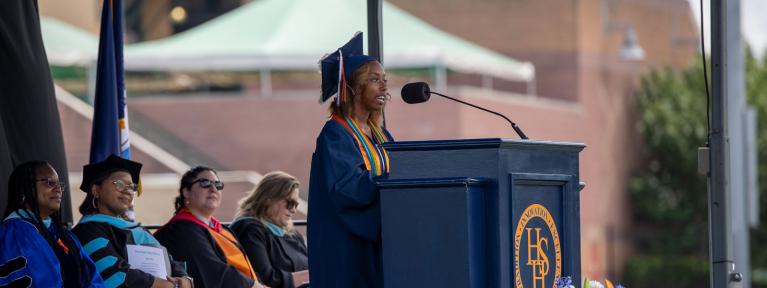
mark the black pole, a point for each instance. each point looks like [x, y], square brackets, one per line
[720, 251]
[375, 35]
[375, 30]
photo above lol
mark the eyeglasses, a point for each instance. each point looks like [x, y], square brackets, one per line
[206, 183]
[292, 203]
[122, 187]
[53, 183]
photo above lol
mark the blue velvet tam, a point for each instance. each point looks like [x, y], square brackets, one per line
[338, 67]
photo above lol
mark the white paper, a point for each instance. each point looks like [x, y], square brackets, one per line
[152, 260]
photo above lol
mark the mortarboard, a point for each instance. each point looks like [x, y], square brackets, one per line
[338, 66]
[113, 163]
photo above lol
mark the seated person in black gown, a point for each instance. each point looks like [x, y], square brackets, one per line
[264, 226]
[111, 186]
[212, 253]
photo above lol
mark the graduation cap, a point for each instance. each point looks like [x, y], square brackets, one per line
[113, 163]
[338, 66]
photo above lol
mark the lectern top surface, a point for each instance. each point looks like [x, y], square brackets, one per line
[483, 143]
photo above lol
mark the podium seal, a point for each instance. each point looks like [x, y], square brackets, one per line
[536, 244]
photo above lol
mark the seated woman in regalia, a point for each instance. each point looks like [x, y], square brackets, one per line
[110, 186]
[36, 250]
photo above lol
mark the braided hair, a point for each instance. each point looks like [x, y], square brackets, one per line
[22, 194]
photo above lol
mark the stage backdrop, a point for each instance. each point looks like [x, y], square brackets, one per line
[29, 120]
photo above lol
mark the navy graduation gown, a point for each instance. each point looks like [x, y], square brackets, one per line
[344, 215]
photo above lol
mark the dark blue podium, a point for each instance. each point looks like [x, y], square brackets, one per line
[480, 213]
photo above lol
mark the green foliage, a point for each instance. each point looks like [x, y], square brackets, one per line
[669, 197]
[756, 90]
[665, 271]
[68, 72]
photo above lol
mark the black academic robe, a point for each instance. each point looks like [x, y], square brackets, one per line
[273, 257]
[344, 218]
[206, 262]
[107, 246]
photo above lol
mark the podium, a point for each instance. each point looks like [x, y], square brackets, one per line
[480, 213]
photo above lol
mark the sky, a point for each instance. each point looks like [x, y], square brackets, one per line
[754, 27]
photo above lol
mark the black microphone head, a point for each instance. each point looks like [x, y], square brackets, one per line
[417, 92]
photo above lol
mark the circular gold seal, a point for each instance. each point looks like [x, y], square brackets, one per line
[539, 243]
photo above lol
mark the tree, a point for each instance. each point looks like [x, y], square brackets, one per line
[756, 90]
[669, 197]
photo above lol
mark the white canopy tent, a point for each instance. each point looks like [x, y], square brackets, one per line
[267, 35]
[67, 45]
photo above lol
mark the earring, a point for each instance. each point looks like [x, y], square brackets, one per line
[93, 201]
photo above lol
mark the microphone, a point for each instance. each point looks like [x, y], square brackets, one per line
[419, 92]
[414, 93]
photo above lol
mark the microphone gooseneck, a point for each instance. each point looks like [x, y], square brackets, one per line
[513, 125]
[418, 92]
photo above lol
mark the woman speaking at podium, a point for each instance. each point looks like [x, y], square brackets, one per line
[344, 215]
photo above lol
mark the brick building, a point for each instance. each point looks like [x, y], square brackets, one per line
[584, 94]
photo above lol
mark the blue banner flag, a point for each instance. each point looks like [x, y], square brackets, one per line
[110, 112]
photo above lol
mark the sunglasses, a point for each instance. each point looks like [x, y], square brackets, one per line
[292, 203]
[53, 183]
[123, 187]
[206, 183]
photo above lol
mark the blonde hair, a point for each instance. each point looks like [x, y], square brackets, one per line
[355, 88]
[274, 187]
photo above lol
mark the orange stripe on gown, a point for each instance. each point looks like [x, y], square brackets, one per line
[234, 256]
